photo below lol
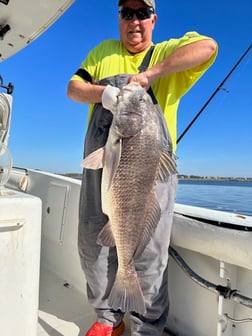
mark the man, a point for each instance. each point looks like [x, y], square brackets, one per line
[174, 67]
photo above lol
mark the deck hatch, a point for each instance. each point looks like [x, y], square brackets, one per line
[55, 212]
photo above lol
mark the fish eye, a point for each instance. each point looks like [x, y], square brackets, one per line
[141, 100]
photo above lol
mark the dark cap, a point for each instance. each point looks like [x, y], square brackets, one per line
[150, 3]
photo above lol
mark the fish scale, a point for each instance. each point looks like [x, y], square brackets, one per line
[131, 205]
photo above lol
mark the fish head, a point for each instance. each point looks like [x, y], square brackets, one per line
[132, 109]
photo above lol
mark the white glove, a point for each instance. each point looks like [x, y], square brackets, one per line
[109, 97]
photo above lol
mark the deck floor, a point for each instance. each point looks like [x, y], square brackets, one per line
[62, 310]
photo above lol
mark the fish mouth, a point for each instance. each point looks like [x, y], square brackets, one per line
[128, 113]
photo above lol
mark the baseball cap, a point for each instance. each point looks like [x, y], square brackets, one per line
[150, 3]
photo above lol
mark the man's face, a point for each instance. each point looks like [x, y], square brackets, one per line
[136, 34]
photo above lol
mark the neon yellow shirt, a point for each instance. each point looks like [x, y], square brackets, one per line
[110, 58]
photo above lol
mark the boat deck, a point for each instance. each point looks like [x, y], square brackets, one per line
[63, 311]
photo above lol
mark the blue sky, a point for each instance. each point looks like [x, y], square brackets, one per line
[48, 129]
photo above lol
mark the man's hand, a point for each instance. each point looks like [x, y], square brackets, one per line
[109, 97]
[141, 79]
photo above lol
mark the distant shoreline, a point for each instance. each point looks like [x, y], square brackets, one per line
[213, 178]
[186, 178]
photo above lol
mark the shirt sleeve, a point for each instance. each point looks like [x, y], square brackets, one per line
[184, 80]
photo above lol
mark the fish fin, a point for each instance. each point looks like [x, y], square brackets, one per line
[113, 156]
[167, 166]
[95, 160]
[105, 237]
[151, 222]
[126, 293]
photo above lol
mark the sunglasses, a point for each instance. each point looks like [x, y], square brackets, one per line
[141, 13]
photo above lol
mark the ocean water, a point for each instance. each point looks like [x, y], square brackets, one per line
[231, 196]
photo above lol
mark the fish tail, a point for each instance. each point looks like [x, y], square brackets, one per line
[126, 293]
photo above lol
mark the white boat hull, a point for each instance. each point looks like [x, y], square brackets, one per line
[20, 237]
[218, 254]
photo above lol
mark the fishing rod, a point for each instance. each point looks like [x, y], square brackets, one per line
[214, 93]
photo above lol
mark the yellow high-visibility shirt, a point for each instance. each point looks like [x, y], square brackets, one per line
[110, 58]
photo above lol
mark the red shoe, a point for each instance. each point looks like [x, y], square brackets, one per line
[99, 329]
